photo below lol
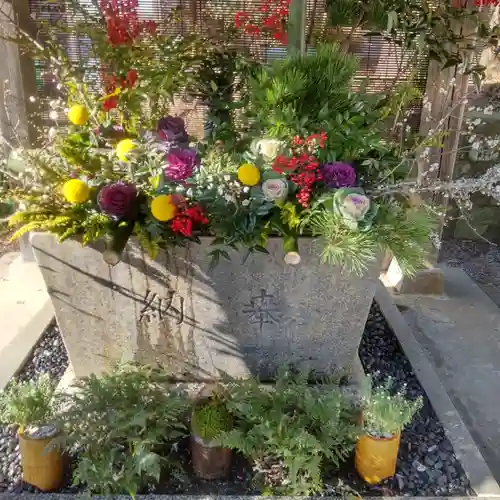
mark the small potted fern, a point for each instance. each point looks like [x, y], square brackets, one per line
[29, 405]
[209, 419]
[385, 414]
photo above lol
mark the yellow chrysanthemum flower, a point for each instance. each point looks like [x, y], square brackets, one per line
[123, 148]
[163, 208]
[78, 114]
[249, 174]
[76, 191]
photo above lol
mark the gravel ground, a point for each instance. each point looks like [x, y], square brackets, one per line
[427, 465]
[481, 261]
[49, 356]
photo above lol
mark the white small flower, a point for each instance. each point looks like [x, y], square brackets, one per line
[245, 203]
[246, 189]
[32, 99]
[180, 189]
[488, 110]
[227, 178]
[54, 104]
[189, 192]
[52, 133]
[228, 197]
[53, 115]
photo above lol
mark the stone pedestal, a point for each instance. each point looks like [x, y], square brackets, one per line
[239, 318]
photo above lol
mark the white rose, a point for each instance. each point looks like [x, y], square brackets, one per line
[275, 189]
[269, 148]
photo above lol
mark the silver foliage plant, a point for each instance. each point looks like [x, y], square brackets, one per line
[387, 410]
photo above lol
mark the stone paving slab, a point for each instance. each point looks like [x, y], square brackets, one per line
[477, 470]
[459, 337]
[25, 312]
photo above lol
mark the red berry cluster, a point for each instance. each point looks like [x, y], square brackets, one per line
[271, 18]
[122, 21]
[187, 217]
[303, 167]
[113, 82]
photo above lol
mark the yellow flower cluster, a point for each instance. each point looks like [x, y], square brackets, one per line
[78, 114]
[163, 208]
[76, 191]
[249, 174]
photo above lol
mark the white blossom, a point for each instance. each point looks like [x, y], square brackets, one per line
[53, 115]
[488, 110]
[245, 203]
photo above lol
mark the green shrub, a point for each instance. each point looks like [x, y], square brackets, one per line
[123, 425]
[290, 431]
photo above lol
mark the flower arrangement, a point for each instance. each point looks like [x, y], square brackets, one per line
[289, 167]
[306, 156]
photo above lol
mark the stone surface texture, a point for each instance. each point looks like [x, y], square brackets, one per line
[459, 335]
[241, 317]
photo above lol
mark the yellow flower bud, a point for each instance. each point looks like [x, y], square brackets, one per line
[162, 208]
[76, 191]
[249, 174]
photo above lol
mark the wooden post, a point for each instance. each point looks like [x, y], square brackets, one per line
[297, 27]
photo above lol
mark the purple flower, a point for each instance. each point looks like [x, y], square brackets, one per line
[338, 175]
[172, 129]
[180, 164]
[117, 199]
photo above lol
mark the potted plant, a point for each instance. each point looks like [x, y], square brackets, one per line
[385, 414]
[29, 405]
[209, 419]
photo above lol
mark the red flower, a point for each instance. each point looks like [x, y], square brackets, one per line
[281, 36]
[131, 78]
[188, 216]
[240, 18]
[182, 225]
[196, 214]
[151, 27]
[110, 103]
[252, 29]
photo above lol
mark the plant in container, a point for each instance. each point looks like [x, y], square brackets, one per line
[30, 406]
[209, 419]
[385, 414]
[122, 427]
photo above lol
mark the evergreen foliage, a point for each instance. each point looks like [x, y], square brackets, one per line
[123, 425]
[290, 431]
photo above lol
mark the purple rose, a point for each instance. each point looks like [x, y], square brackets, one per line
[338, 175]
[117, 199]
[180, 164]
[173, 129]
